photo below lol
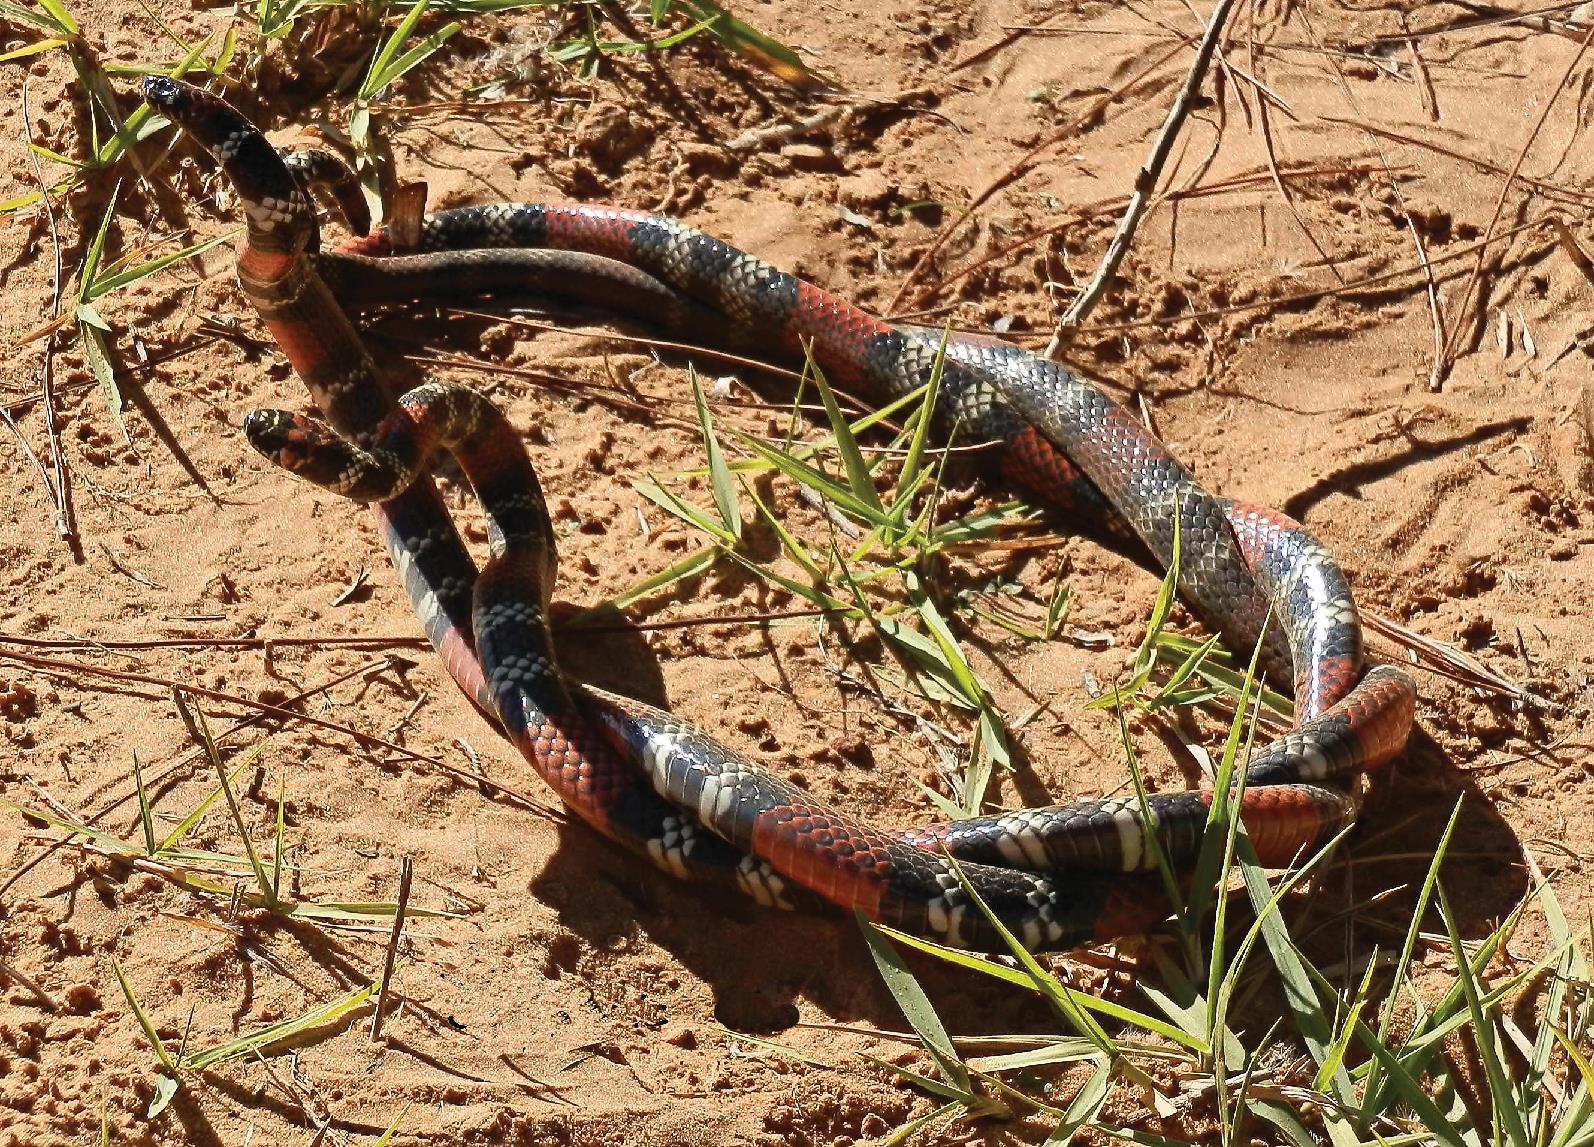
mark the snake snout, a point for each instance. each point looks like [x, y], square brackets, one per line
[269, 431]
[162, 91]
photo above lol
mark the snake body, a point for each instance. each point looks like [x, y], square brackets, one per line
[1054, 877]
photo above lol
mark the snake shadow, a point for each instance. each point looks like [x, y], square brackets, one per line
[760, 966]
[767, 970]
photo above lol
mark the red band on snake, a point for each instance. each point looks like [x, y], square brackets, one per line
[1055, 877]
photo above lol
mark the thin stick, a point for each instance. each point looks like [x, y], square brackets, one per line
[16, 406]
[694, 349]
[49, 1002]
[1449, 355]
[1018, 168]
[1436, 378]
[60, 489]
[67, 669]
[406, 871]
[1479, 22]
[27, 451]
[206, 642]
[1146, 179]
[1012, 35]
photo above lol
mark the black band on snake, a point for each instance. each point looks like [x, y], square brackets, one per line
[1055, 877]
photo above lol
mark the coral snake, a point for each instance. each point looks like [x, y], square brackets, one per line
[1054, 877]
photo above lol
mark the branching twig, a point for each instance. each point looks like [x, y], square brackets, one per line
[1018, 168]
[1147, 177]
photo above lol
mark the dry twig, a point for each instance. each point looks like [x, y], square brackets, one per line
[1447, 359]
[46, 1000]
[1543, 187]
[59, 486]
[406, 873]
[1435, 373]
[1448, 661]
[1146, 178]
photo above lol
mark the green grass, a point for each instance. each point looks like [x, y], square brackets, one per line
[876, 573]
[225, 879]
[399, 37]
[1502, 1055]
[224, 882]
[175, 1066]
[1465, 1069]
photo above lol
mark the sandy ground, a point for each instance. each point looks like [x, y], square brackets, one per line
[1281, 342]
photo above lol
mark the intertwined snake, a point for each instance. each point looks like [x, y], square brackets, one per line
[1054, 877]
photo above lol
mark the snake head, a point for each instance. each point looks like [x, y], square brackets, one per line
[287, 439]
[280, 220]
[312, 450]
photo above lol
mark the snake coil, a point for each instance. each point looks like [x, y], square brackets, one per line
[1054, 877]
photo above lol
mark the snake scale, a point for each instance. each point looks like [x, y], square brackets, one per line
[1054, 877]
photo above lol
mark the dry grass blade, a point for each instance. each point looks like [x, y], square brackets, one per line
[1574, 250]
[46, 1000]
[1448, 357]
[755, 46]
[406, 874]
[1436, 372]
[59, 485]
[1454, 663]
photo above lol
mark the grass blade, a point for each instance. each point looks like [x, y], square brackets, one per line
[142, 1016]
[751, 44]
[146, 819]
[286, 1029]
[916, 1008]
[1502, 1098]
[859, 477]
[194, 718]
[1084, 1107]
[719, 477]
